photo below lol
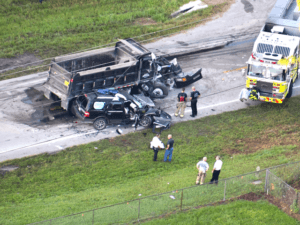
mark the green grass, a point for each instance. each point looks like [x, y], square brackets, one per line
[82, 177]
[237, 212]
[57, 27]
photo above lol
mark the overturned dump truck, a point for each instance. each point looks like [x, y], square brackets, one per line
[128, 66]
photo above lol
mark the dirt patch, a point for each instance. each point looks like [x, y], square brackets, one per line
[144, 21]
[11, 63]
[250, 197]
[286, 135]
[296, 185]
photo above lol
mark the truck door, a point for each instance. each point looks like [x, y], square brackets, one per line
[115, 111]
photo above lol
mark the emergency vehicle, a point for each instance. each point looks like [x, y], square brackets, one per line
[273, 64]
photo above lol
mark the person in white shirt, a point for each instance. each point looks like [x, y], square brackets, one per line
[216, 170]
[156, 144]
[202, 166]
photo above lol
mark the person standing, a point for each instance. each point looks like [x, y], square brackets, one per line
[194, 96]
[181, 105]
[202, 166]
[169, 149]
[156, 144]
[216, 170]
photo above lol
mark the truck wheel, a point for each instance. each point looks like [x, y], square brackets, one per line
[290, 90]
[100, 123]
[159, 89]
[146, 121]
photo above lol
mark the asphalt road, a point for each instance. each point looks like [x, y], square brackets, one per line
[25, 131]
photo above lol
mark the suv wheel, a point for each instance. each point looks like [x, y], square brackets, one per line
[146, 121]
[100, 123]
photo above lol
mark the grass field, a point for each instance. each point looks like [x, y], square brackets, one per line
[234, 213]
[83, 178]
[56, 27]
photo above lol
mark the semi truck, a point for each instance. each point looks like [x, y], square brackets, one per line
[273, 66]
[128, 66]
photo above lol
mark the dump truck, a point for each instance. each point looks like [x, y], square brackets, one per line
[128, 66]
[274, 62]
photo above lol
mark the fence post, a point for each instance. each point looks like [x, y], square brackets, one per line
[181, 200]
[93, 218]
[224, 191]
[139, 210]
[267, 180]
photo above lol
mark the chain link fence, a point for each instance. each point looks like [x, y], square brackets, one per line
[269, 181]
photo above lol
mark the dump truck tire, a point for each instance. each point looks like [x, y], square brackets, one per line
[158, 90]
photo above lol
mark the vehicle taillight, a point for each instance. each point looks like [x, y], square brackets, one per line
[86, 114]
[71, 80]
[261, 60]
[274, 95]
[85, 95]
[253, 56]
[274, 62]
[252, 82]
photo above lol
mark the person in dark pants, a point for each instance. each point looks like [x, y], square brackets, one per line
[41, 1]
[194, 96]
[216, 170]
[169, 149]
[156, 144]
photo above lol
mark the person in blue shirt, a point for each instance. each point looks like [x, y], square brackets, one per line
[169, 149]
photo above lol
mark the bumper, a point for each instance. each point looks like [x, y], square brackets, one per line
[189, 79]
[268, 99]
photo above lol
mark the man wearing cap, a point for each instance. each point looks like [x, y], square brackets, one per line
[216, 170]
[202, 166]
[194, 96]
[181, 98]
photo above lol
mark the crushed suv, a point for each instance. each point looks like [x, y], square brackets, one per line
[106, 107]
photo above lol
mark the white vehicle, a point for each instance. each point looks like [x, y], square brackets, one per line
[273, 64]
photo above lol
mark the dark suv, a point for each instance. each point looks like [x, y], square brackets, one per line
[117, 107]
